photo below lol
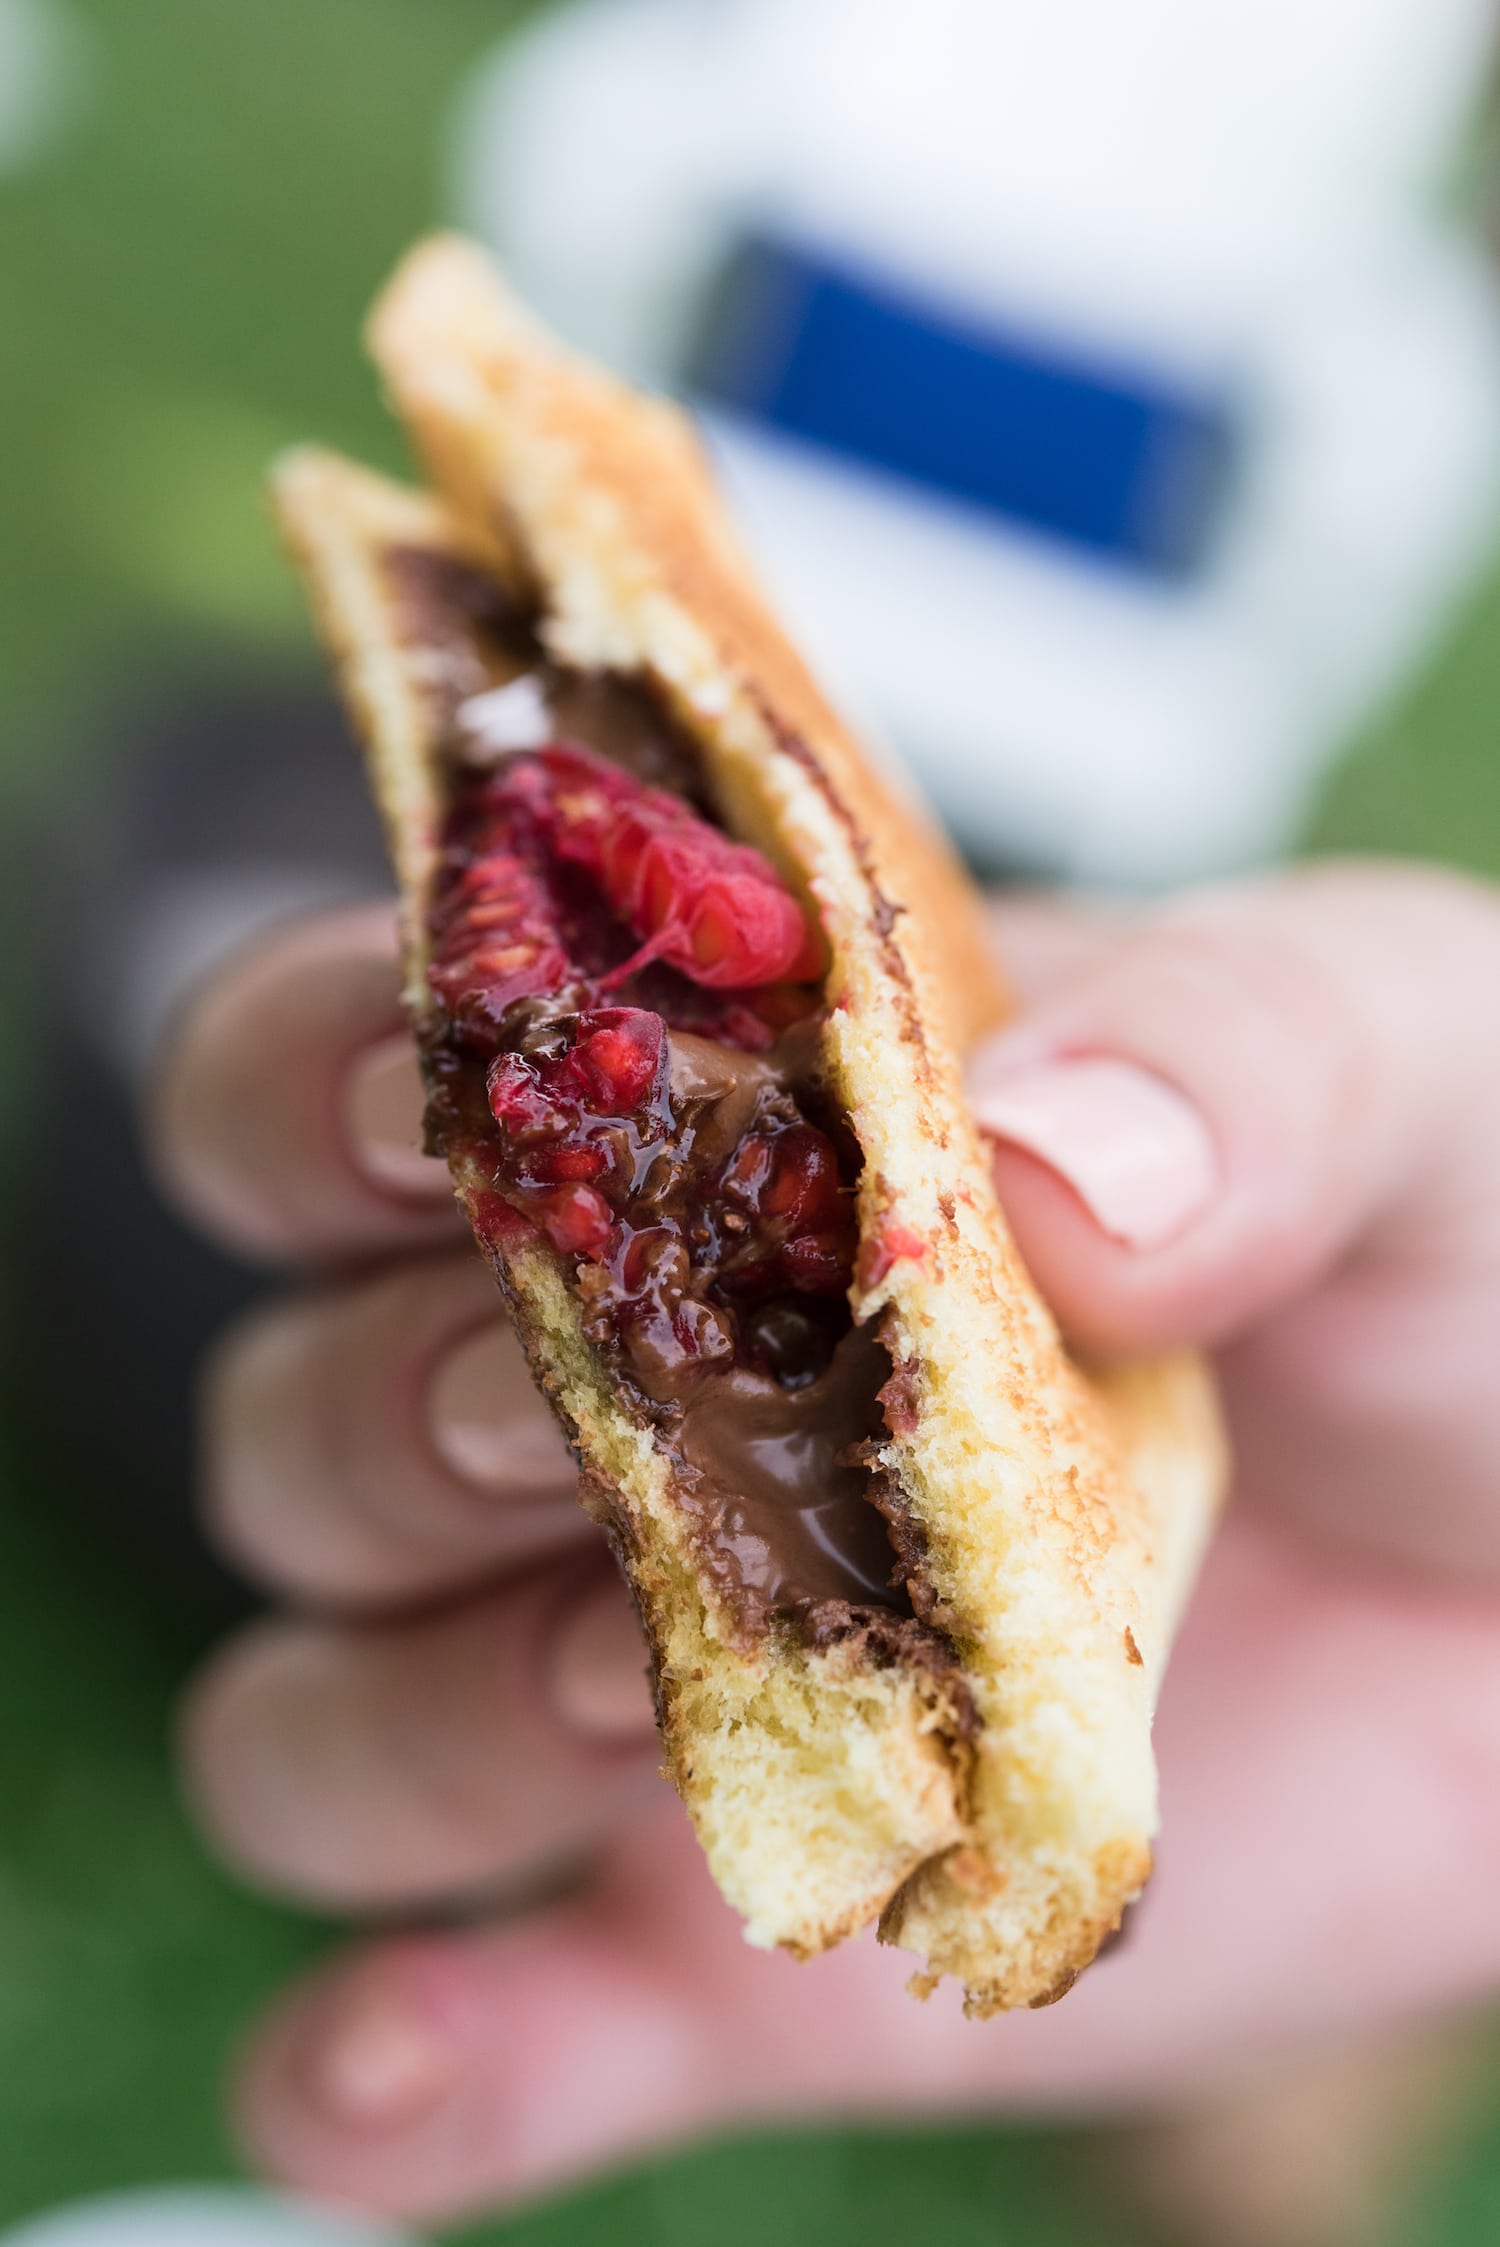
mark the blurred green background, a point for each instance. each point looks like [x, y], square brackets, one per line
[182, 271]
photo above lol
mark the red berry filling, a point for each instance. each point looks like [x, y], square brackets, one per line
[622, 1053]
[685, 1237]
[573, 1120]
[707, 1227]
[552, 863]
[710, 907]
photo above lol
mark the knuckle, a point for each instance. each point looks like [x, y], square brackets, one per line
[251, 1428]
[318, 1469]
[235, 1122]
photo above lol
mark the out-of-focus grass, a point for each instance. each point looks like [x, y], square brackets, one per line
[182, 277]
[124, 1958]
[181, 280]
[1425, 780]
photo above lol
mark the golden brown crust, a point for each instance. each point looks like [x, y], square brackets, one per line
[1061, 1521]
[641, 459]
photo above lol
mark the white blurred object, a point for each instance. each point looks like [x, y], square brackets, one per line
[44, 68]
[1237, 197]
[192, 2217]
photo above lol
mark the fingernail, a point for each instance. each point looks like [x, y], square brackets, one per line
[477, 1429]
[383, 1105]
[380, 2065]
[598, 1671]
[1133, 1149]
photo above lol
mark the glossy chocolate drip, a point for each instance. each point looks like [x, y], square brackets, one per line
[783, 1495]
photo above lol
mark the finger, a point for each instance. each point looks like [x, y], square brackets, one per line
[383, 1440]
[1285, 1097]
[411, 1762]
[1331, 1761]
[286, 1116]
[1044, 937]
[1368, 1416]
[1198, 1127]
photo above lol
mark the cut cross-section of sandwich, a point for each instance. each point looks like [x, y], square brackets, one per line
[691, 986]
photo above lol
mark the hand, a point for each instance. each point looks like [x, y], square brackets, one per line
[455, 1710]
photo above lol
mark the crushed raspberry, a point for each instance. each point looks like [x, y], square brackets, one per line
[574, 1121]
[619, 1056]
[714, 910]
[577, 1220]
[796, 1224]
[494, 925]
[895, 1244]
[561, 878]
[495, 1221]
[590, 1149]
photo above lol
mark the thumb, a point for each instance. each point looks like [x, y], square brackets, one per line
[1249, 1089]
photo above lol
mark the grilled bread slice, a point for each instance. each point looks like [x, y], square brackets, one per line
[955, 1740]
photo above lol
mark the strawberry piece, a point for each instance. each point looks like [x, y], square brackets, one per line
[714, 909]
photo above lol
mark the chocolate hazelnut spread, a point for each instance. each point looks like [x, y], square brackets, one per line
[602, 1053]
[778, 1471]
[487, 640]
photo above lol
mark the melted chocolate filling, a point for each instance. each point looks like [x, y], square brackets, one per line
[699, 1181]
[781, 1472]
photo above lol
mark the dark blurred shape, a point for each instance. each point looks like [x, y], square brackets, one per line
[214, 820]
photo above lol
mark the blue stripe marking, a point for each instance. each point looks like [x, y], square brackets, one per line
[1115, 460]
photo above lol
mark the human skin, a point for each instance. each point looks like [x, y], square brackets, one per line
[1266, 1120]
